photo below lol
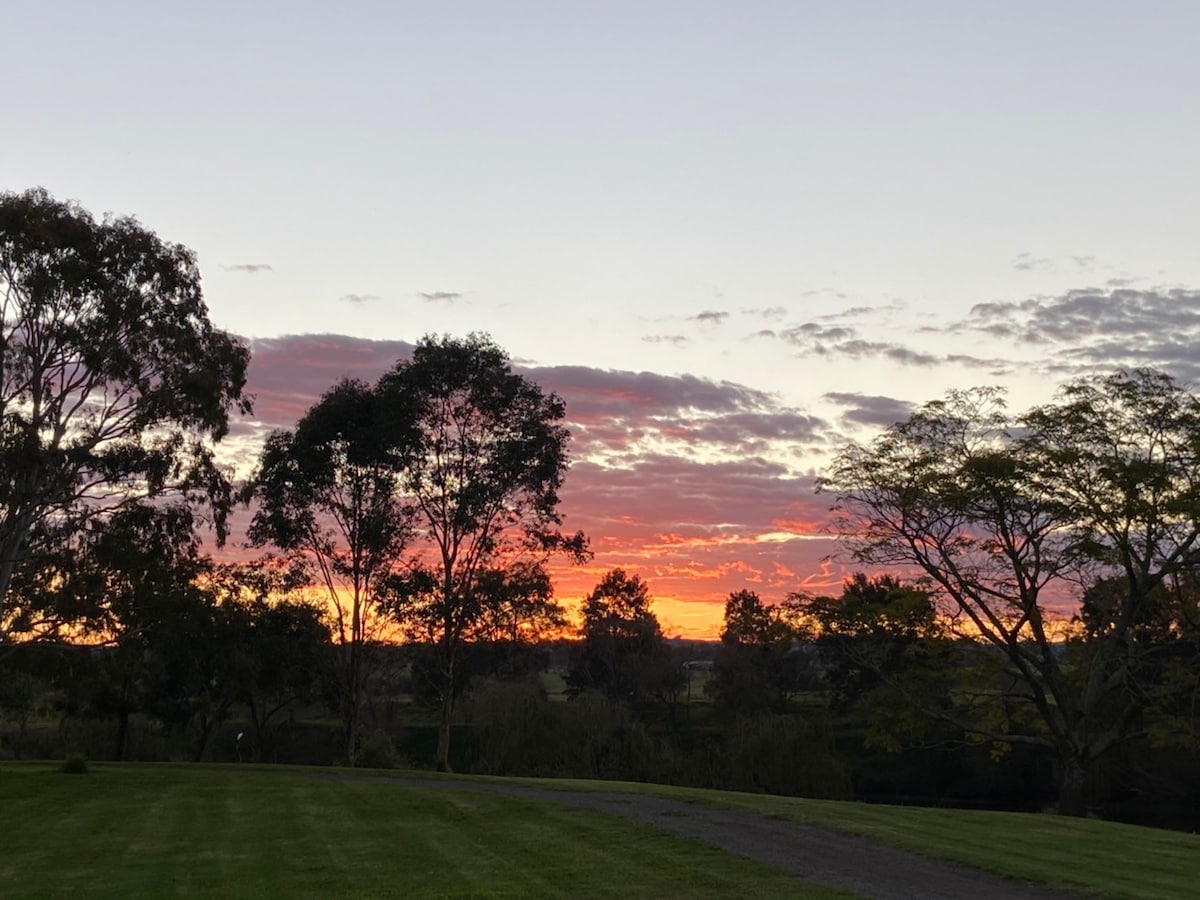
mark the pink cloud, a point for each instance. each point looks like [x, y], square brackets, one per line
[287, 374]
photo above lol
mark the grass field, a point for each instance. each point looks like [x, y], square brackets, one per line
[245, 831]
[227, 831]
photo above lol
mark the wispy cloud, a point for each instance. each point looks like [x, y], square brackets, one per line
[860, 312]
[709, 317]
[1089, 329]
[249, 268]
[1027, 262]
[825, 291]
[676, 339]
[1083, 314]
[842, 340]
[359, 298]
[767, 312]
[994, 365]
[870, 410]
[812, 334]
[895, 352]
[440, 296]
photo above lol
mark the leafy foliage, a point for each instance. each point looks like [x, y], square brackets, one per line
[759, 666]
[1005, 517]
[328, 493]
[481, 453]
[876, 630]
[624, 653]
[112, 378]
[279, 655]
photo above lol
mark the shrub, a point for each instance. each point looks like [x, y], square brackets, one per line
[74, 765]
[378, 751]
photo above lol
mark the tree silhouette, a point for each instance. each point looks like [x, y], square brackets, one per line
[481, 452]
[624, 653]
[1004, 515]
[757, 669]
[328, 492]
[112, 379]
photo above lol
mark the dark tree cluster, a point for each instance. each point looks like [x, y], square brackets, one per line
[425, 505]
[623, 653]
[113, 386]
[428, 502]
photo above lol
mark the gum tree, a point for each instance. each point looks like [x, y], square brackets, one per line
[1010, 519]
[481, 452]
[328, 493]
[113, 381]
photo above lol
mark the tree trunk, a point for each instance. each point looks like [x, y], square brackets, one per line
[258, 723]
[8, 564]
[10, 549]
[1072, 787]
[353, 701]
[122, 734]
[443, 744]
[206, 729]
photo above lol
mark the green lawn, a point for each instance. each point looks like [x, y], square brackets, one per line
[249, 831]
[230, 831]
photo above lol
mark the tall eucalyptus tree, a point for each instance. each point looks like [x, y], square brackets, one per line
[113, 381]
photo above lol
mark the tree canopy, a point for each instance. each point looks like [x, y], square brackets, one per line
[758, 667]
[624, 653]
[328, 494]
[112, 378]
[481, 453]
[1009, 518]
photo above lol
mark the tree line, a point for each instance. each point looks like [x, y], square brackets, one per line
[1042, 601]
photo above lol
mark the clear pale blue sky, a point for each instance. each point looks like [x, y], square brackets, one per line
[817, 200]
[589, 174]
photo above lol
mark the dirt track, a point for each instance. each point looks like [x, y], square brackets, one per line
[856, 864]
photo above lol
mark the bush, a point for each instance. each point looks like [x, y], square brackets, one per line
[378, 751]
[791, 755]
[516, 733]
[74, 765]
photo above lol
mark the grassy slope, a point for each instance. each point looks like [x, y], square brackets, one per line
[156, 830]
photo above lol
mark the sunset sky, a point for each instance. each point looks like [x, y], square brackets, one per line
[730, 236]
